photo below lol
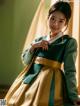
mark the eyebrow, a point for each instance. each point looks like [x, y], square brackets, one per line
[60, 18]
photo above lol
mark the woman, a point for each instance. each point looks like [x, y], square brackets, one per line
[43, 82]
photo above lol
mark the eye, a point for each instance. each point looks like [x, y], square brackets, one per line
[52, 18]
[61, 21]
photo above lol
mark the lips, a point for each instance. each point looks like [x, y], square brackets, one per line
[54, 28]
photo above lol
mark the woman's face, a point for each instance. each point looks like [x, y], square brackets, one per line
[57, 22]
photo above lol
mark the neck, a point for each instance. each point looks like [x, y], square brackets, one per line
[52, 35]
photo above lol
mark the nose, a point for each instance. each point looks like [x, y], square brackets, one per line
[55, 23]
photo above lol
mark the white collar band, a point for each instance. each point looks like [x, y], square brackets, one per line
[55, 37]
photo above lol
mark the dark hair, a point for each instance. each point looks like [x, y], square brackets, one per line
[63, 7]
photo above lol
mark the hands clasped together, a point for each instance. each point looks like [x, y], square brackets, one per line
[42, 44]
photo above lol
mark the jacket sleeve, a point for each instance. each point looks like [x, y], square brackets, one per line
[26, 55]
[70, 69]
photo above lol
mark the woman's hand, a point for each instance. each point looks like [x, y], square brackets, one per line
[77, 102]
[42, 44]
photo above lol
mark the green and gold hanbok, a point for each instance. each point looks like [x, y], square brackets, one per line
[44, 82]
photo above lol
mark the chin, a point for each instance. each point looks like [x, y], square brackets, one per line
[55, 32]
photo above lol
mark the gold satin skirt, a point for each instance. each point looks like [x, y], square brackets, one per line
[39, 92]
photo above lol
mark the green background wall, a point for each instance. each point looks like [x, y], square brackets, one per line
[15, 19]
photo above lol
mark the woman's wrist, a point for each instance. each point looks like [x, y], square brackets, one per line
[33, 47]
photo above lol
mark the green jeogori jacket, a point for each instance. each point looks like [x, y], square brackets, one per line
[63, 50]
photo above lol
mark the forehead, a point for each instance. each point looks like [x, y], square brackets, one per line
[58, 15]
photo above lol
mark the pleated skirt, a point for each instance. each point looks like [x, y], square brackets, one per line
[45, 90]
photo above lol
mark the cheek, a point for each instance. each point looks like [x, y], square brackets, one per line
[62, 25]
[50, 23]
